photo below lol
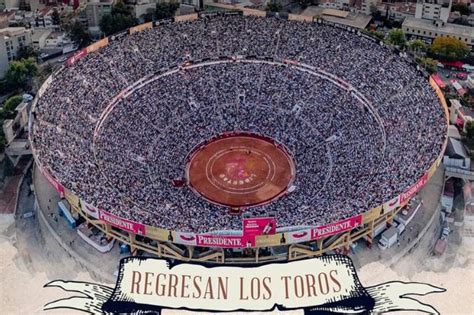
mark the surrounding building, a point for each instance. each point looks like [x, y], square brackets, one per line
[367, 6]
[95, 10]
[39, 36]
[433, 9]
[6, 18]
[352, 19]
[9, 4]
[398, 11]
[11, 40]
[456, 155]
[428, 30]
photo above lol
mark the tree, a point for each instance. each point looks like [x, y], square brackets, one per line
[55, 17]
[274, 6]
[417, 46]
[166, 10]
[3, 141]
[374, 11]
[461, 8]
[118, 20]
[12, 103]
[78, 33]
[26, 52]
[470, 131]
[20, 72]
[430, 65]
[449, 48]
[397, 37]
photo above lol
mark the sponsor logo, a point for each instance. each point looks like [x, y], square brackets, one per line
[299, 235]
[413, 189]
[222, 241]
[336, 228]
[187, 238]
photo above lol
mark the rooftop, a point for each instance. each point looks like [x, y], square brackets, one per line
[13, 31]
[351, 19]
[450, 28]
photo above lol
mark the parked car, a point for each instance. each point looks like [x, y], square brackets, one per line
[461, 75]
[62, 59]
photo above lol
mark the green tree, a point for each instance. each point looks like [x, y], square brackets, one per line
[20, 72]
[449, 48]
[119, 19]
[26, 52]
[431, 65]
[78, 33]
[397, 37]
[12, 103]
[55, 17]
[274, 6]
[3, 141]
[417, 46]
[461, 8]
[470, 131]
[166, 10]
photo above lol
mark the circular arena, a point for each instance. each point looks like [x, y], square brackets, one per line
[188, 128]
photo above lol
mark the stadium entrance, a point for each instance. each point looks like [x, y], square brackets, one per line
[240, 170]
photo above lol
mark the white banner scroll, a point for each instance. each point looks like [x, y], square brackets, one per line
[323, 285]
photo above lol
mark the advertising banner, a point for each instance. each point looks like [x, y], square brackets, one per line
[97, 45]
[322, 285]
[391, 205]
[78, 55]
[140, 27]
[224, 241]
[126, 225]
[57, 185]
[90, 209]
[336, 228]
[185, 18]
[157, 233]
[72, 199]
[269, 240]
[404, 197]
[298, 236]
[259, 226]
[118, 36]
[183, 238]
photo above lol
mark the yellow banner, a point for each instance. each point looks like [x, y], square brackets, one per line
[97, 45]
[156, 233]
[188, 17]
[140, 27]
[267, 240]
[72, 199]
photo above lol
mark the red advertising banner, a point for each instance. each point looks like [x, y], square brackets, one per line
[130, 226]
[224, 241]
[59, 188]
[76, 57]
[336, 228]
[259, 226]
[404, 197]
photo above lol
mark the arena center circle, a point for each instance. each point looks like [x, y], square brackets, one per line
[362, 125]
[240, 170]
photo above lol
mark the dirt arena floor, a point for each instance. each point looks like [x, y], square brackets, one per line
[240, 171]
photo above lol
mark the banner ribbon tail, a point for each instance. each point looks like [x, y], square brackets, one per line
[395, 296]
[95, 296]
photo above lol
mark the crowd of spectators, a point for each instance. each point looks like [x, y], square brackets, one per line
[347, 161]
